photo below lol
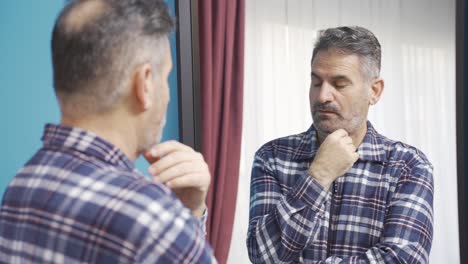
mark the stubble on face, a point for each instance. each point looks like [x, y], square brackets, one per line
[347, 107]
[157, 114]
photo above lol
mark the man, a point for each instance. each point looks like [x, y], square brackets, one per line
[80, 199]
[341, 192]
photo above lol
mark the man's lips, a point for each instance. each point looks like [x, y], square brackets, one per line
[327, 112]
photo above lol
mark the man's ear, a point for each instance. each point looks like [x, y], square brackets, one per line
[143, 86]
[377, 87]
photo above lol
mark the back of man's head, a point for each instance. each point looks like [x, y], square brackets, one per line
[97, 43]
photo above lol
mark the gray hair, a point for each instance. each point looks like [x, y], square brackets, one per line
[97, 43]
[353, 40]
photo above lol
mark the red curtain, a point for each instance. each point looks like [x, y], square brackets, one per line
[221, 35]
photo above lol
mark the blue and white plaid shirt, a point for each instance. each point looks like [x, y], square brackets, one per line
[80, 200]
[380, 211]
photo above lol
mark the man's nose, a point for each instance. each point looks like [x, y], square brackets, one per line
[325, 93]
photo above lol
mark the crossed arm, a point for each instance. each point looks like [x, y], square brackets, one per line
[282, 225]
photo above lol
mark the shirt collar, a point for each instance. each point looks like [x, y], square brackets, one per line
[76, 139]
[308, 145]
[372, 147]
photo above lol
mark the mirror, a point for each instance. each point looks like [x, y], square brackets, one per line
[417, 106]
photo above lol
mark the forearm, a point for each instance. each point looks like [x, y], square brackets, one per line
[280, 235]
[389, 253]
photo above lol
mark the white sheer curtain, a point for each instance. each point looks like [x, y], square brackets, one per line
[417, 107]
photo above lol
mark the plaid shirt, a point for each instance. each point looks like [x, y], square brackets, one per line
[380, 211]
[80, 200]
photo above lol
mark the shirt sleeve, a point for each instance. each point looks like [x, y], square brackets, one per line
[173, 234]
[408, 227]
[202, 221]
[280, 225]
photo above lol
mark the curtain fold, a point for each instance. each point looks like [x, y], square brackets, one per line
[221, 32]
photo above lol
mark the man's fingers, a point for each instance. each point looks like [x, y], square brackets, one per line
[349, 149]
[172, 159]
[186, 181]
[339, 133]
[355, 156]
[165, 148]
[348, 140]
[179, 170]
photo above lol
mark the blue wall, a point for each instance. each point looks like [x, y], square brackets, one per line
[26, 91]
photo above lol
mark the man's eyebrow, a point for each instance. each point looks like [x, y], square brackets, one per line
[315, 75]
[334, 78]
[341, 78]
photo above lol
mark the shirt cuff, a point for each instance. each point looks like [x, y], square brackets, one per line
[308, 192]
[202, 221]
